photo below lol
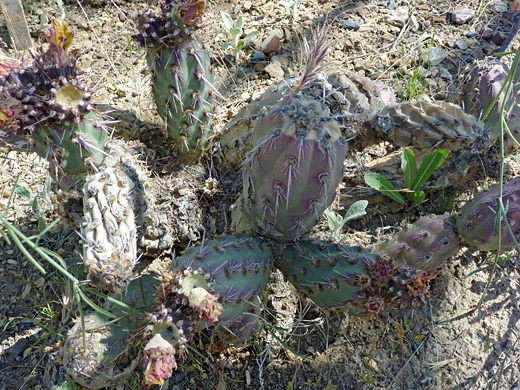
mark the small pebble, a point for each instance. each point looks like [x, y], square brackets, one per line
[257, 56]
[467, 58]
[271, 43]
[391, 5]
[498, 6]
[18, 347]
[349, 25]
[471, 34]
[498, 38]
[461, 15]
[487, 33]
[274, 69]
[435, 55]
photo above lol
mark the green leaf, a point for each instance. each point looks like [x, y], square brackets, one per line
[220, 37]
[240, 45]
[356, 210]
[251, 35]
[418, 198]
[235, 32]
[226, 19]
[408, 167]
[428, 166]
[22, 191]
[240, 22]
[378, 182]
[227, 45]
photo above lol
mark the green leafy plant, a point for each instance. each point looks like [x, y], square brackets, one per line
[234, 30]
[35, 201]
[414, 178]
[292, 8]
[336, 221]
[414, 85]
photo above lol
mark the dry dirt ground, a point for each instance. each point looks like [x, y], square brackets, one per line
[443, 344]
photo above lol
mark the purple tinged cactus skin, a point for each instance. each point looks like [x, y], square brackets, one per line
[438, 125]
[348, 278]
[181, 72]
[294, 168]
[238, 268]
[424, 245]
[476, 220]
[480, 86]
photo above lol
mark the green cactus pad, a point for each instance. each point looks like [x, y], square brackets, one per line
[182, 90]
[238, 268]
[348, 278]
[476, 221]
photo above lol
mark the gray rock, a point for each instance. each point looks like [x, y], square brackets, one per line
[434, 55]
[18, 347]
[257, 56]
[399, 16]
[498, 6]
[349, 25]
[271, 43]
[461, 15]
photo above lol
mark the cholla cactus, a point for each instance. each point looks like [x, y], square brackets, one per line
[181, 71]
[45, 109]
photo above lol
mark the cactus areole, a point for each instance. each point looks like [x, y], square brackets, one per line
[181, 71]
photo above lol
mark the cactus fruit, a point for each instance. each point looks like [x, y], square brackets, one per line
[112, 198]
[348, 278]
[238, 268]
[181, 71]
[438, 125]
[476, 221]
[45, 109]
[424, 245]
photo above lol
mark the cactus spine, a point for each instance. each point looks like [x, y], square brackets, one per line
[181, 72]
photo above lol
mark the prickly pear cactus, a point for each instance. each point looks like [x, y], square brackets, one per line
[238, 268]
[480, 86]
[112, 198]
[45, 109]
[476, 221]
[424, 245]
[348, 278]
[181, 71]
[438, 125]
